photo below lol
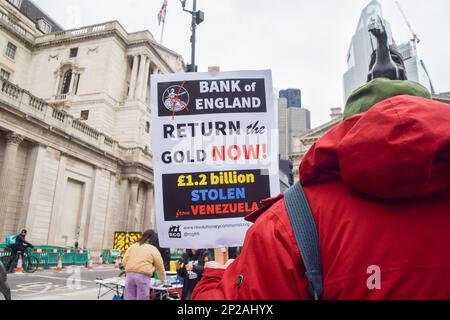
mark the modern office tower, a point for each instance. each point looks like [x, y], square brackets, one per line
[293, 96]
[362, 46]
[293, 121]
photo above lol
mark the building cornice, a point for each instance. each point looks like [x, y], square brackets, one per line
[443, 97]
[106, 30]
[26, 38]
[312, 134]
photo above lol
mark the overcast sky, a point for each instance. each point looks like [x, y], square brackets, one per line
[303, 42]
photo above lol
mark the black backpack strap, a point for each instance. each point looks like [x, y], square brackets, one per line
[306, 236]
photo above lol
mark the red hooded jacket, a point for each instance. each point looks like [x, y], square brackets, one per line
[379, 189]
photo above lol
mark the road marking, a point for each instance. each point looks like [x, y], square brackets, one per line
[65, 271]
[60, 278]
[95, 290]
[58, 296]
[36, 289]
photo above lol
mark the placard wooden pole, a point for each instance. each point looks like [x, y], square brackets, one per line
[214, 69]
[220, 254]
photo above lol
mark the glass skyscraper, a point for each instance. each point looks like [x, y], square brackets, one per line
[362, 46]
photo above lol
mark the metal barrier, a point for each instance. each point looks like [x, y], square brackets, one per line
[5, 252]
[41, 255]
[106, 256]
[52, 257]
[110, 255]
[68, 257]
[81, 257]
[48, 256]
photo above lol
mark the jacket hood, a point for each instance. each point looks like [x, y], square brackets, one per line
[400, 148]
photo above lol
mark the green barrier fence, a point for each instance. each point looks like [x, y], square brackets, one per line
[81, 257]
[110, 255]
[48, 256]
[4, 253]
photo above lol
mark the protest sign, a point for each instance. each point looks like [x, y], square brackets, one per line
[215, 155]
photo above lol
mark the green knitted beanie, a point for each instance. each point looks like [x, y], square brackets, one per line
[377, 90]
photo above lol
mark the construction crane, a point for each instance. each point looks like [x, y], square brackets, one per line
[415, 39]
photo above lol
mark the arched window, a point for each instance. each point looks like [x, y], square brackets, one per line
[147, 127]
[67, 79]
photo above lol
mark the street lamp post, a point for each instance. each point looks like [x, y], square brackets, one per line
[197, 18]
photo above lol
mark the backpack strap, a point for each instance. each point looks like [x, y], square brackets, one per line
[306, 236]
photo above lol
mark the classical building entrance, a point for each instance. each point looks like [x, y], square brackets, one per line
[69, 222]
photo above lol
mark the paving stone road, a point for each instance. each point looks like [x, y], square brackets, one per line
[72, 284]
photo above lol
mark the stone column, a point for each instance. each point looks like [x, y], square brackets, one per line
[7, 172]
[145, 82]
[148, 212]
[58, 200]
[140, 81]
[92, 214]
[110, 218]
[133, 77]
[58, 78]
[124, 205]
[134, 188]
[35, 165]
[72, 82]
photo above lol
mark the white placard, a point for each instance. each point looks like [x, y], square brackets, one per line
[215, 155]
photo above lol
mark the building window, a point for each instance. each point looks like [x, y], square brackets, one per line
[11, 50]
[147, 127]
[4, 75]
[44, 26]
[67, 79]
[84, 115]
[73, 53]
[16, 3]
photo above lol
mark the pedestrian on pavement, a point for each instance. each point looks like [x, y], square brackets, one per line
[378, 186]
[191, 268]
[141, 261]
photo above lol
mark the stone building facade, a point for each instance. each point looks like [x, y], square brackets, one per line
[75, 123]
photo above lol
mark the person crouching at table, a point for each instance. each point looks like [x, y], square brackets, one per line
[141, 261]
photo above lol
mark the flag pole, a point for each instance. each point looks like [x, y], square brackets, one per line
[162, 18]
[162, 32]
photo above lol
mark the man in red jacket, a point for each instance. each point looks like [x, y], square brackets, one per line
[379, 189]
